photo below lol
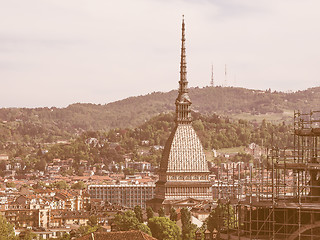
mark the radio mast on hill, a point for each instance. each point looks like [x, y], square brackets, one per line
[212, 83]
[225, 75]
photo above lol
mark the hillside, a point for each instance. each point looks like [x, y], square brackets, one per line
[142, 143]
[133, 111]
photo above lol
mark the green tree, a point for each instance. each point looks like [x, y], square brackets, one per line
[83, 230]
[173, 214]
[161, 212]
[213, 220]
[188, 229]
[39, 185]
[65, 236]
[138, 212]
[10, 184]
[128, 221]
[198, 125]
[150, 213]
[163, 228]
[220, 217]
[28, 235]
[41, 165]
[93, 220]
[6, 230]
[79, 185]
[61, 184]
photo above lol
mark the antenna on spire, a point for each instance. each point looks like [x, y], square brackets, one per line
[183, 21]
[212, 83]
[183, 64]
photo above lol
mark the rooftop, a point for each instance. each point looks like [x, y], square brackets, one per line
[132, 235]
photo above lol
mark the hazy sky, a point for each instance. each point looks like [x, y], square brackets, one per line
[58, 52]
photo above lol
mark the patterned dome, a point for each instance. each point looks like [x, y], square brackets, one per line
[183, 151]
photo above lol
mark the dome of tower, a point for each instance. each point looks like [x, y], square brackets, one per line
[183, 151]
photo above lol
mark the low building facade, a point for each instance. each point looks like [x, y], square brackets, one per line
[124, 195]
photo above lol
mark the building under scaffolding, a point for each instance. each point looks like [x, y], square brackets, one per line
[278, 198]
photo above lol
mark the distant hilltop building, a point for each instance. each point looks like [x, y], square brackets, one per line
[184, 173]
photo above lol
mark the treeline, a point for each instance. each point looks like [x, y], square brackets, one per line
[50, 124]
[213, 130]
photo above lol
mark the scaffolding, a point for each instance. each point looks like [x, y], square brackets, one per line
[277, 197]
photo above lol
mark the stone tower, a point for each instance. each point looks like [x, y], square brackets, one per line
[184, 170]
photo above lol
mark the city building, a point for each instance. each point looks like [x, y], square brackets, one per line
[127, 195]
[184, 172]
[4, 157]
[139, 166]
[40, 209]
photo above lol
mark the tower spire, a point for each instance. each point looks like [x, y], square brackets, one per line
[183, 102]
[183, 83]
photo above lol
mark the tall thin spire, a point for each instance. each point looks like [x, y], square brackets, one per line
[183, 83]
[183, 102]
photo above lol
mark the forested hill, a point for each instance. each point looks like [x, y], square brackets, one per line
[133, 111]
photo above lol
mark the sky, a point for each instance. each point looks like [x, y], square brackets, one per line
[59, 52]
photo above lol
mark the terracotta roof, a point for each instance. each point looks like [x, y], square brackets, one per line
[43, 191]
[132, 235]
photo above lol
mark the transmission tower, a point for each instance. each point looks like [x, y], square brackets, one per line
[212, 83]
